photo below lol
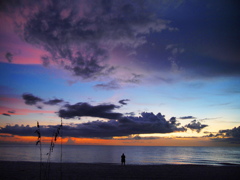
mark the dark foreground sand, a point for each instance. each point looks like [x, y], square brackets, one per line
[31, 171]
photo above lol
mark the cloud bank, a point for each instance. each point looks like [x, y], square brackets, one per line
[117, 124]
[145, 124]
[227, 135]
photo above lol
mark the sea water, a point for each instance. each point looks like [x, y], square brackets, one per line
[134, 154]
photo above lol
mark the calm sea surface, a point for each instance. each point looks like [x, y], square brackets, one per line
[134, 154]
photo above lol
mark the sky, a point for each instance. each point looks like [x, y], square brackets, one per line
[120, 72]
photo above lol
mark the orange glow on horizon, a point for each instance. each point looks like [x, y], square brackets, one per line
[8, 138]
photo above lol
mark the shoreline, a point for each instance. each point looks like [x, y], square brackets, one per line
[147, 164]
[31, 170]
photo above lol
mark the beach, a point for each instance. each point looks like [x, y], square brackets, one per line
[31, 170]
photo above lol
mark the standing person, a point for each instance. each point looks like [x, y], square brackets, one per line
[123, 159]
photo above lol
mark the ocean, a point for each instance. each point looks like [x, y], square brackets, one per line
[140, 155]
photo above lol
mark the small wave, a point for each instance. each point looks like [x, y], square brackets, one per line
[229, 164]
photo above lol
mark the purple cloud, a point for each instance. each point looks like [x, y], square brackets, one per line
[145, 124]
[196, 126]
[31, 99]
[123, 101]
[85, 109]
[80, 36]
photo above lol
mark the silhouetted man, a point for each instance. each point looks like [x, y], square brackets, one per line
[123, 159]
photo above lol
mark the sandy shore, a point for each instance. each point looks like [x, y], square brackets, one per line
[31, 170]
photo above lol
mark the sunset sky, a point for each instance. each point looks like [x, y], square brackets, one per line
[121, 72]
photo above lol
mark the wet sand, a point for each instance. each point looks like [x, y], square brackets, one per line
[31, 170]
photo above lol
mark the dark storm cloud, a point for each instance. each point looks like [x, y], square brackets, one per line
[227, 135]
[22, 130]
[9, 57]
[144, 124]
[53, 102]
[196, 126]
[79, 35]
[187, 117]
[5, 114]
[85, 109]
[234, 133]
[31, 99]
[123, 101]
[68, 111]
[125, 126]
